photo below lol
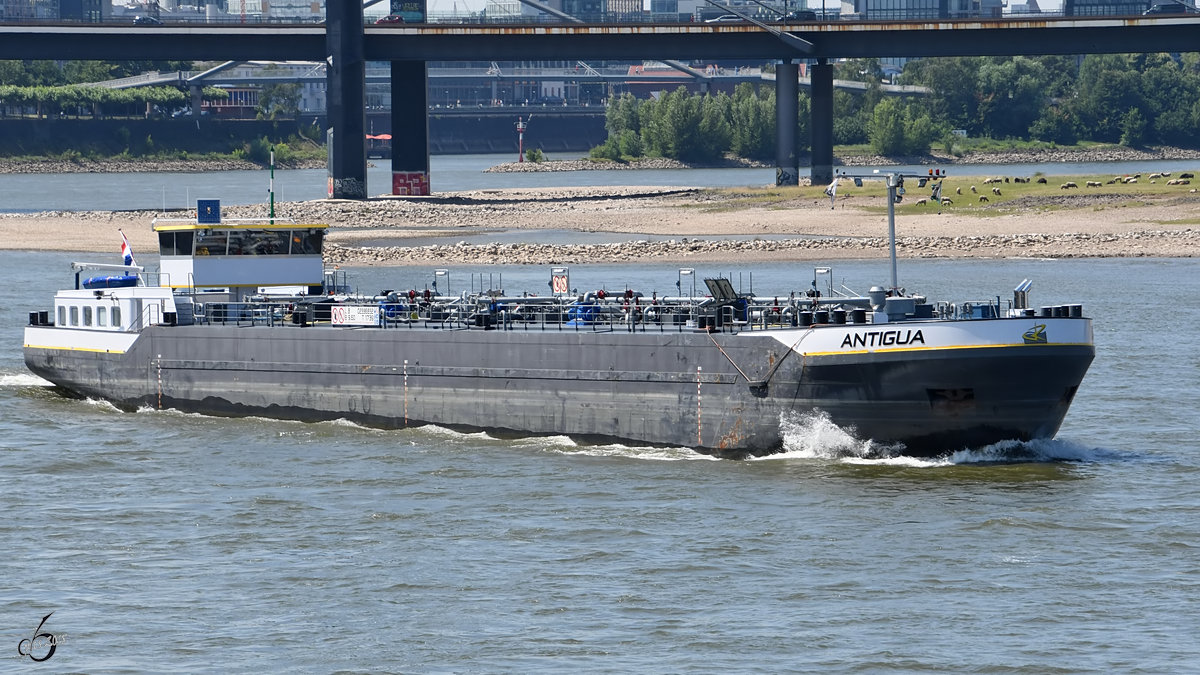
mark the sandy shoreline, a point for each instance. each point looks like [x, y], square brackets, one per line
[697, 225]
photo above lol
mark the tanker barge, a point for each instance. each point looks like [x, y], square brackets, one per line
[216, 330]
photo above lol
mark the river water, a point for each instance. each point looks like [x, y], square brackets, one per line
[448, 173]
[171, 542]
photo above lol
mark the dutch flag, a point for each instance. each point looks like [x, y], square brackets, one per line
[126, 249]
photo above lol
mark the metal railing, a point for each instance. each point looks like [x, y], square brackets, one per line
[635, 314]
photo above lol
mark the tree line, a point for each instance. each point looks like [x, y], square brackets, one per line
[1131, 99]
[53, 88]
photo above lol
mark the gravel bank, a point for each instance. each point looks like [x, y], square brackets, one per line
[1055, 155]
[10, 166]
[686, 225]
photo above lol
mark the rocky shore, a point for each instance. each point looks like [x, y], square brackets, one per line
[689, 225]
[1050, 155]
[1112, 153]
[1156, 243]
[131, 165]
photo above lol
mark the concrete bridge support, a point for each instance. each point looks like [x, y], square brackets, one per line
[346, 87]
[821, 121]
[410, 128]
[787, 163]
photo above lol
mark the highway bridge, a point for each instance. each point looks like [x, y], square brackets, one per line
[345, 45]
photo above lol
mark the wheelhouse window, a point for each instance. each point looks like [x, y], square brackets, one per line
[102, 317]
[175, 243]
[62, 316]
[87, 315]
[307, 241]
[258, 242]
[212, 242]
[116, 317]
[74, 316]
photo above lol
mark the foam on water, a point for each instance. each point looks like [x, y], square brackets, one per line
[101, 404]
[447, 432]
[812, 435]
[23, 380]
[647, 452]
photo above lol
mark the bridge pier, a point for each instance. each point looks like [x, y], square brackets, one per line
[346, 84]
[787, 117]
[821, 121]
[196, 93]
[410, 128]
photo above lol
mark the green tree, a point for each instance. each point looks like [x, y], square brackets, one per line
[952, 81]
[752, 122]
[1057, 124]
[1010, 96]
[858, 70]
[87, 71]
[279, 100]
[1107, 89]
[919, 130]
[1133, 128]
[887, 128]
[622, 115]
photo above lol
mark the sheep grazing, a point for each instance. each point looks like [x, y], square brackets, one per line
[1094, 183]
[1020, 180]
[996, 191]
[922, 201]
[1179, 181]
[983, 198]
[1110, 181]
[1067, 185]
[947, 201]
[1155, 176]
[958, 191]
[1132, 179]
[1041, 181]
[972, 189]
[1186, 175]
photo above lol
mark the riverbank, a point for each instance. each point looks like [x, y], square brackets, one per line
[137, 164]
[1106, 153]
[27, 165]
[690, 225]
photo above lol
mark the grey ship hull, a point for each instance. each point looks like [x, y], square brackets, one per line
[722, 393]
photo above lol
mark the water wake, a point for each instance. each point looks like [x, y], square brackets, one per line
[23, 380]
[812, 435]
[567, 446]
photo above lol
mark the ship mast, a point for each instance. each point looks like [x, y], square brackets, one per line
[895, 193]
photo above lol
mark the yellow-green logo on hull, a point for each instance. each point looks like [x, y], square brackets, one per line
[1036, 335]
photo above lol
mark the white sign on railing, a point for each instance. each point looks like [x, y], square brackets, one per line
[354, 315]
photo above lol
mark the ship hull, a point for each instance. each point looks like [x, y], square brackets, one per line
[716, 392]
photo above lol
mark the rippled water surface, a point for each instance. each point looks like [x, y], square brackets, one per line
[164, 541]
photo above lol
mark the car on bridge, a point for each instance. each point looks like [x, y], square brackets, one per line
[1169, 8]
[801, 15]
[724, 18]
[390, 18]
[147, 21]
